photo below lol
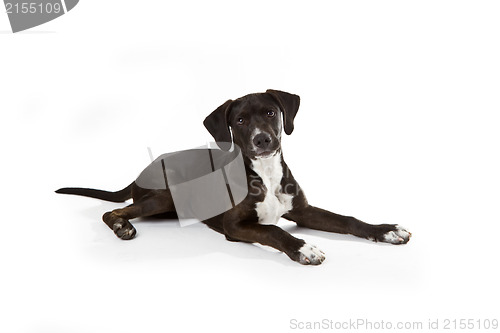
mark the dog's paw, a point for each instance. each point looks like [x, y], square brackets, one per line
[311, 255]
[398, 235]
[124, 229]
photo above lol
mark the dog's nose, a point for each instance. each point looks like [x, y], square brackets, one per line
[262, 140]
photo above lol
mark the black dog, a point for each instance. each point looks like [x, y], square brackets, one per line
[255, 122]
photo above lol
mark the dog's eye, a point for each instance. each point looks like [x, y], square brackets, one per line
[271, 113]
[240, 121]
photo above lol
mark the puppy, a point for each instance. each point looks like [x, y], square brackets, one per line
[254, 123]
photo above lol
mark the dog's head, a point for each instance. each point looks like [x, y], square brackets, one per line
[255, 122]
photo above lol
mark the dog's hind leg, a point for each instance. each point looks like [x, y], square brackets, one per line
[118, 219]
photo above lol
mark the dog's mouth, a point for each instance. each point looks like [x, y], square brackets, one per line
[265, 154]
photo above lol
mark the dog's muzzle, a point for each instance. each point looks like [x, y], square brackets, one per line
[264, 144]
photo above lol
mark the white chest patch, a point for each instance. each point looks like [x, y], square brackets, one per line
[275, 203]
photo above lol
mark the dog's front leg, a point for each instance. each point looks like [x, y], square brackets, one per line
[249, 230]
[320, 219]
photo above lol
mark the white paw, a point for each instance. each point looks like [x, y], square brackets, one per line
[311, 255]
[398, 236]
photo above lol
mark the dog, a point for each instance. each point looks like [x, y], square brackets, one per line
[254, 123]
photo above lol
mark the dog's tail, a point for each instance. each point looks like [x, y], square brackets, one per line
[118, 196]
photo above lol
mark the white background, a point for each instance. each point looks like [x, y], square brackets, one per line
[398, 124]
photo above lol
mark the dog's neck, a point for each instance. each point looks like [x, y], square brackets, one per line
[270, 170]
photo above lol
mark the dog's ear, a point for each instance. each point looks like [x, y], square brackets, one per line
[216, 124]
[289, 104]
